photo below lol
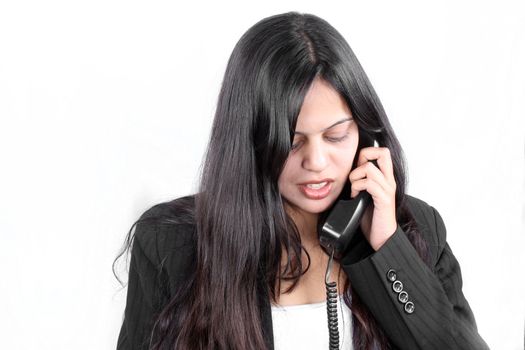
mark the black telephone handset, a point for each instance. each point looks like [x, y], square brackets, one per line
[345, 216]
[335, 234]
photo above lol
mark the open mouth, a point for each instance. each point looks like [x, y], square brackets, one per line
[316, 191]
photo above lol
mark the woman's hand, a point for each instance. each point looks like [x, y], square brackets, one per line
[379, 221]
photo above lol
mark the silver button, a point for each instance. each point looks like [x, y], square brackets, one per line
[409, 307]
[403, 297]
[397, 286]
[391, 275]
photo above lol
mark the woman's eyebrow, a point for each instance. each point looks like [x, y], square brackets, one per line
[331, 126]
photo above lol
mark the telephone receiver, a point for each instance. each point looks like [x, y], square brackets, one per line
[343, 219]
[337, 231]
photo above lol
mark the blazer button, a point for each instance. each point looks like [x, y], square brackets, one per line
[391, 275]
[403, 297]
[409, 307]
[397, 286]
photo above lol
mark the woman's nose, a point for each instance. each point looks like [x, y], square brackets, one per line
[315, 158]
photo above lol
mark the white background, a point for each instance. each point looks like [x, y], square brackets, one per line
[106, 107]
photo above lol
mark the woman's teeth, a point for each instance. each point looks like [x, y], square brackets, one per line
[316, 186]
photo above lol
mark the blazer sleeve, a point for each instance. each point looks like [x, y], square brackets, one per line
[417, 307]
[144, 294]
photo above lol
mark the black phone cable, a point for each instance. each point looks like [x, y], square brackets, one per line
[331, 305]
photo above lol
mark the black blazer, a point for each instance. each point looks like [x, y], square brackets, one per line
[432, 314]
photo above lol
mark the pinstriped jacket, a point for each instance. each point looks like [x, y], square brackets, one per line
[417, 307]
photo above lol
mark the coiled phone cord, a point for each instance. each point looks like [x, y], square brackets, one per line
[331, 305]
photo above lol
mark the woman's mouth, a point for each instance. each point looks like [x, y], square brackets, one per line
[316, 190]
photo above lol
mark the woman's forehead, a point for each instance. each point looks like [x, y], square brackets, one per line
[323, 108]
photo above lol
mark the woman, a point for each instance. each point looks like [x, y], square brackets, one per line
[215, 270]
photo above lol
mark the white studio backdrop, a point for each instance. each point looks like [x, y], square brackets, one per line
[106, 107]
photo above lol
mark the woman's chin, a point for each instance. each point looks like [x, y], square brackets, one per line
[301, 203]
[316, 206]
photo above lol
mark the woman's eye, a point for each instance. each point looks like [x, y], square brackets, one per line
[337, 139]
[329, 138]
[295, 145]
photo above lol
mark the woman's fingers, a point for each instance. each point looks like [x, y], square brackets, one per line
[368, 173]
[382, 157]
[379, 223]
[383, 175]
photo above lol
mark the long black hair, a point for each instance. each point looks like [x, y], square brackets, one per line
[238, 212]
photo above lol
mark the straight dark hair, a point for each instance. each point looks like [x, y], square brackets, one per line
[241, 225]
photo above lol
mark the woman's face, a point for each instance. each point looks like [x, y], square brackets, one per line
[324, 146]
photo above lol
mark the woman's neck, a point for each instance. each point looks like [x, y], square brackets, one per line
[307, 226]
[310, 288]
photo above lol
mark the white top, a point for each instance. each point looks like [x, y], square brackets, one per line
[306, 326]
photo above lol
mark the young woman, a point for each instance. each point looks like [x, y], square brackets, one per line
[239, 265]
